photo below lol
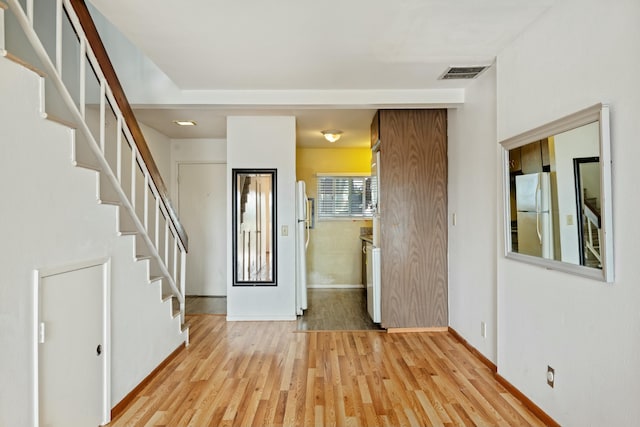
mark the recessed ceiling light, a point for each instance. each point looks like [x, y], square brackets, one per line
[185, 122]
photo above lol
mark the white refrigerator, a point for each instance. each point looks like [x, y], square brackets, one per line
[533, 204]
[302, 243]
[373, 250]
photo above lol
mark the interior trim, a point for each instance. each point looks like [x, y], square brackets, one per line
[485, 361]
[528, 403]
[118, 409]
[537, 411]
[335, 286]
[430, 329]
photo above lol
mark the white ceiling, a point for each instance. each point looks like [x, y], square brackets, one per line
[212, 123]
[284, 45]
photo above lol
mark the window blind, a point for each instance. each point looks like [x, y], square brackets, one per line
[345, 196]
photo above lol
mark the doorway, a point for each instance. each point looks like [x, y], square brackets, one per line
[202, 204]
[72, 346]
[586, 172]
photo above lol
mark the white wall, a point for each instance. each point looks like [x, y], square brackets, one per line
[265, 142]
[579, 53]
[141, 79]
[160, 146]
[576, 143]
[51, 219]
[472, 194]
[191, 151]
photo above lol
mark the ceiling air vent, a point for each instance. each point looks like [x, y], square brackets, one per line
[463, 72]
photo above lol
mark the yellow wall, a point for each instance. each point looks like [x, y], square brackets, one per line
[334, 253]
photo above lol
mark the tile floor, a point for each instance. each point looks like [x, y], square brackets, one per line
[206, 305]
[336, 309]
[328, 309]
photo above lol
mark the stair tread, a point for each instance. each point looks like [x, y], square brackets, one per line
[10, 56]
[86, 166]
[109, 202]
[56, 119]
[88, 160]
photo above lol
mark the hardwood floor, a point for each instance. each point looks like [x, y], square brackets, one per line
[267, 374]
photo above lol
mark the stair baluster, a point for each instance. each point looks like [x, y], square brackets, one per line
[105, 152]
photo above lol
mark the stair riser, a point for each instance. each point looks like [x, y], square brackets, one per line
[57, 104]
[83, 156]
[54, 220]
[106, 193]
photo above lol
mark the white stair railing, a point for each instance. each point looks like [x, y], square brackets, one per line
[592, 221]
[152, 215]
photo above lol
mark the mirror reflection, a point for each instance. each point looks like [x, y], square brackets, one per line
[558, 195]
[254, 226]
[555, 197]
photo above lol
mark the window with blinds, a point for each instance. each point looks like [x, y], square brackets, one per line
[345, 196]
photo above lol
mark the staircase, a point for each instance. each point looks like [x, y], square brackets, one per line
[76, 145]
[591, 227]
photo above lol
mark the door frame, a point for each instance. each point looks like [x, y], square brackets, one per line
[577, 181]
[38, 276]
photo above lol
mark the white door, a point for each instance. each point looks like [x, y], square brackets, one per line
[71, 360]
[202, 203]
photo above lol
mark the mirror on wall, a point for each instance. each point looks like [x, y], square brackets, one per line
[558, 195]
[254, 227]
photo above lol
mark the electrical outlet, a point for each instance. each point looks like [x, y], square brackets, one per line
[551, 376]
[483, 329]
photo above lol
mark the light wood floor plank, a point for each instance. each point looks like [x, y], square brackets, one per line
[266, 374]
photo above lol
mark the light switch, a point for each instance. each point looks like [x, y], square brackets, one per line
[454, 219]
[285, 230]
[569, 219]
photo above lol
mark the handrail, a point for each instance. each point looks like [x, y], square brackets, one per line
[110, 76]
[592, 212]
[170, 253]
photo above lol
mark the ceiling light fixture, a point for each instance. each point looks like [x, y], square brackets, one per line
[332, 135]
[185, 122]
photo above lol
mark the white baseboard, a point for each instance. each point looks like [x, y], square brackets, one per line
[261, 318]
[335, 286]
